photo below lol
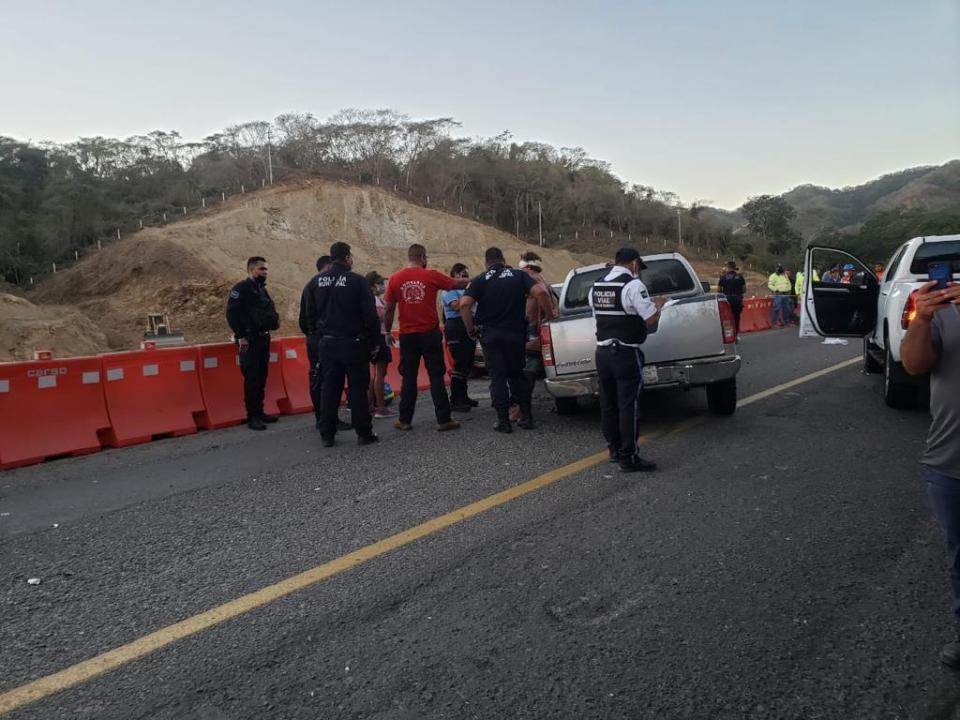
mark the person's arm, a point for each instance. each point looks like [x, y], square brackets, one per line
[389, 308]
[368, 315]
[920, 349]
[540, 294]
[302, 319]
[466, 302]
[236, 315]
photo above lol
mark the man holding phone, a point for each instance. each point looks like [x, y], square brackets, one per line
[932, 344]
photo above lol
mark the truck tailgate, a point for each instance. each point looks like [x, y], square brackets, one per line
[688, 328]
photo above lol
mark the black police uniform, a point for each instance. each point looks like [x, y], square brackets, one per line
[313, 350]
[501, 297]
[251, 315]
[619, 365]
[733, 286]
[341, 311]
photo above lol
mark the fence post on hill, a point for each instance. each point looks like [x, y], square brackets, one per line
[118, 232]
[242, 189]
[99, 245]
[54, 268]
[184, 209]
[223, 197]
[141, 223]
[203, 202]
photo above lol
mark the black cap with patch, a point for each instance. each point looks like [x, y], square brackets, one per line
[628, 254]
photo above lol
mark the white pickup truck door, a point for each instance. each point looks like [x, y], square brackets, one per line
[838, 309]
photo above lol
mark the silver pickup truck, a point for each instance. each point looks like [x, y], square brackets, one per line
[692, 345]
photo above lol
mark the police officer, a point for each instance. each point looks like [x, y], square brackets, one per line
[623, 311]
[252, 315]
[341, 311]
[733, 286]
[501, 297]
[313, 347]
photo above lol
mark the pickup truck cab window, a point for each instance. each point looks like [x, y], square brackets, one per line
[661, 277]
[929, 252]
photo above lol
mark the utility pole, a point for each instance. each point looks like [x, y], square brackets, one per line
[679, 231]
[269, 158]
[540, 221]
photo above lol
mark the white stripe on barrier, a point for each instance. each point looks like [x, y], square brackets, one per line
[274, 357]
[291, 354]
[91, 378]
[4, 386]
[209, 363]
[187, 366]
[151, 369]
[114, 374]
[46, 381]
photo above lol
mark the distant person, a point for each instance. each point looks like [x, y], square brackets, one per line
[414, 290]
[532, 265]
[848, 272]
[462, 347]
[313, 346]
[878, 270]
[252, 316]
[624, 312]
[382, 359]
[500, 294]
[341, 311]
[932, 344]
[781, 287]
[800, 285]
[832, 275]
[733, 285]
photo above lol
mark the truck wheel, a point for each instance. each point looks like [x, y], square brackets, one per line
[870, 364]
[896, 395]
[722, 397]
[567, 405]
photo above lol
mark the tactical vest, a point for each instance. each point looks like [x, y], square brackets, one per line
[613, 322]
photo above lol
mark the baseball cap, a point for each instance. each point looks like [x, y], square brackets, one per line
[629, 254]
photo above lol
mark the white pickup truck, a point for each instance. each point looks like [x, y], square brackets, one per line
[692, 345]
[878, 311]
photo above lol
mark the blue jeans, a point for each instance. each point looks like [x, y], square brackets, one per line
[781, 307]
[944, 493]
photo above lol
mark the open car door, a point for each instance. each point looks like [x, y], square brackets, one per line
[842, 306]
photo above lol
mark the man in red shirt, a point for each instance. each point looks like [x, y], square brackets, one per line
[414, 289]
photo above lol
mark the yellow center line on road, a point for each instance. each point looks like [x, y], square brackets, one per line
[143, 646]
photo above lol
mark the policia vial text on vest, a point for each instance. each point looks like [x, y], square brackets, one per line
[623, 311]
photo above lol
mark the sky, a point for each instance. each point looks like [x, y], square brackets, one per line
[715, 101]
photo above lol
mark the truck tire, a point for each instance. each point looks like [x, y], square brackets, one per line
[722, 397]
[567, 405]
[896, 395]
[870, 364]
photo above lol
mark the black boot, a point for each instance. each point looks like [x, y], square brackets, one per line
[473, 403]
[526, 417]
[635, 463]
[503, 422]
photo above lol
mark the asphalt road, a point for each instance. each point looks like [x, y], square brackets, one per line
[782, 563]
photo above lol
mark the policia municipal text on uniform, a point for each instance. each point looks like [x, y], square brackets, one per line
[623, 311]
[252, 316]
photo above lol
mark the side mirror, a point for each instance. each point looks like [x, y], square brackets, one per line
[705, 285]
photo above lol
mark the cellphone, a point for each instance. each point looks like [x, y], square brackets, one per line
[942, 272]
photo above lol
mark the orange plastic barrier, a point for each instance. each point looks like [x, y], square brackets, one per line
[50, 408]
[221, 385]
[756, 314]
[150, 393]
[295, 369]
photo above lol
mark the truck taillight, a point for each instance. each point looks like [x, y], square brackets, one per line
[546, 345]
[727, 322]
[909, 311]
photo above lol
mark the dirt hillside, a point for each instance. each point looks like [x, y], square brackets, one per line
[186, 268]
[25, 327]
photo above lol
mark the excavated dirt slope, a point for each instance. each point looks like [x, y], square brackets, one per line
[187, 268]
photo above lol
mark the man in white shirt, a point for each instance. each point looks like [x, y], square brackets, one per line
[623, 310]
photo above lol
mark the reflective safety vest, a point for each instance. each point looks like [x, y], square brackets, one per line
[779, 283]
[798, 286]
[613, 321]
